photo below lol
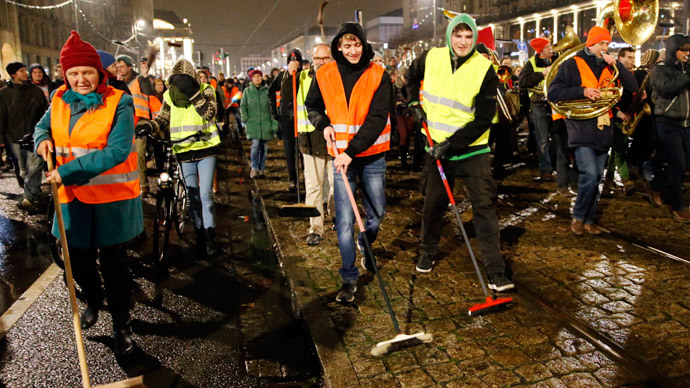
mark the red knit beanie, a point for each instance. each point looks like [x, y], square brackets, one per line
[597, 34]
[538, 44]
[76, 52]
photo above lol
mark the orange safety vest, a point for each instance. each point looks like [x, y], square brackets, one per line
[90, 134]
[226, 94]
[347, 119]
[141, 101]
[237, 95]
[277, 98]
[589, 80]
[155, 105]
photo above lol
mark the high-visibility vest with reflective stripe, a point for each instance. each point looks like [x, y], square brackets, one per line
[90, 134]
[347, 119]
[303, 123]
[187, 121]
[277, 98]
[449, 96]
[536, 69]
[141, 100]
[155, 105]
[589, 80]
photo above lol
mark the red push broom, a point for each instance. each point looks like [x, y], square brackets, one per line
[400, 340]
[491, 304]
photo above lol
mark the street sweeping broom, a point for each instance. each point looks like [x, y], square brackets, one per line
[491, 304]
[137, 381]
[400, 340]
[299, 209]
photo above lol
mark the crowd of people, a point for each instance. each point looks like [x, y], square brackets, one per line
[350, 107]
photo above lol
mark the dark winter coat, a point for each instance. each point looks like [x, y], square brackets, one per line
[256, 113]
[670, 82]
[566, 86]
[381, 102]
[529, 78]
[21, 107]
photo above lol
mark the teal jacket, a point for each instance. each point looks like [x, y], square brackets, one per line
[97, 225]
[256, 113]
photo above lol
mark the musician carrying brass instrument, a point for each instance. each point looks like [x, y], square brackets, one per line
[581, 78]
[532, 79]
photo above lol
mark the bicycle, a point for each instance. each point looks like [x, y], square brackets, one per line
[171, 200]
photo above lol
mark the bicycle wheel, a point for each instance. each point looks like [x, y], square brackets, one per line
[180, 209]
[161, 228]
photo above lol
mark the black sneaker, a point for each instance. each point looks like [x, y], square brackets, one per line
[347, 293]
[500, 283]
[425, 264]
[313, 239]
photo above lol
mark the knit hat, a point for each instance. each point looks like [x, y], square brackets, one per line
[255, 71]
[597, 34]
[107, 58]
[126, 59]
[538, 44]
[77, 52]
[14, 67]
[183, 66]
[482, 49]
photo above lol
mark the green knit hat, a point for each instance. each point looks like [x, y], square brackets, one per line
[130, 62]
[459, 19]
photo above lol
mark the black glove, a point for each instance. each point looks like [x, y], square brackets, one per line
[439, 150]
[418, 114]
[143, 128]
[187, 85]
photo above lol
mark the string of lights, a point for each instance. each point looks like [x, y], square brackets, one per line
[39, 6]
[83, 16]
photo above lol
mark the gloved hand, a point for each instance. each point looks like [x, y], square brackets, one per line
[187, 85]
[418, 113]
[143, 128]
[439, 150]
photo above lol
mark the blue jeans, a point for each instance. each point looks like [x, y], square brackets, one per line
[541, 117]
[258, 154]
[198, 176]
[373, 179]
[591, 164]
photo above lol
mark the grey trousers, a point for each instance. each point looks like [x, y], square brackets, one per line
[31, 167]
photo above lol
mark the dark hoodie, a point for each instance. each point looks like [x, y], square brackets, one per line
[566, 86]
[484, 102]
[283, 83]
[380, 105]
[46, 85]
[670, 82]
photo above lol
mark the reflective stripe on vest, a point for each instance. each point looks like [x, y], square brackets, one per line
[277, 98]
[90, 135]
[303, 123]
[187, 121]
[141, 101]
[347, 119]
[536, 69]
[449, 96]
[589, 80]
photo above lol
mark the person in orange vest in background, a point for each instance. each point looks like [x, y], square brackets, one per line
[90, 127]
[141, 88]
[233, 96]
[350, 102]
[577, 78]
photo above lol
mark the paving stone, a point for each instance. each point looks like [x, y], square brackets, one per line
[534, 372]
[465, 350]
[550, 383]
[542, 352]
[430, 355]
[501, 378]
[414, 379]
[442, 373]
[468, 382]
[593, 298]
[580, 380]
[478, 367]
[617, 307]
[614, 376]
[386, 380]
[575, 346]
[510, 358]
[594, 360]
[369, 368]
[565, 365]
[399, 362]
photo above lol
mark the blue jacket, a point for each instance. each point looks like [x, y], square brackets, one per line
[98, 225]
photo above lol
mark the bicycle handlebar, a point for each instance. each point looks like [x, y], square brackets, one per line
[170, 143]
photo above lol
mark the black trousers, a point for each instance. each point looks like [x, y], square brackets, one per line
[674, 149]
[287, 130]
[117, 278]
[475, 173]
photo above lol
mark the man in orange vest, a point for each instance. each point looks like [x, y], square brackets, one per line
[581, 77]
[350, 101]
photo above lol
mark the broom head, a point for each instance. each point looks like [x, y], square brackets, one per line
[298, 210]
[401, 341]
[491, 305]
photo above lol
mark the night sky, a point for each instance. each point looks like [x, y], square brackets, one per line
[229, 24]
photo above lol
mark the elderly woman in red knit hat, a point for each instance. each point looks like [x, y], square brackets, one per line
[578, 78]
[90, 128]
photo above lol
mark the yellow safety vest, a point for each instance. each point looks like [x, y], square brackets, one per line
[536, 69]
[187, 121]
[303, 123]
[449, 96]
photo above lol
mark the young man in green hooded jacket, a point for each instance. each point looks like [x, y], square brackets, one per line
[459, 106]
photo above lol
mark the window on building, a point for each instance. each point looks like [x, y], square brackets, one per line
[586, 19]
[564, 21]
[530, 30]
[546, 27]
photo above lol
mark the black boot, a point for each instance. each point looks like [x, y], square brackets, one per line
[403, 158]
[122, 333]
[211, 242]
[90, 315]
[200, 241]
